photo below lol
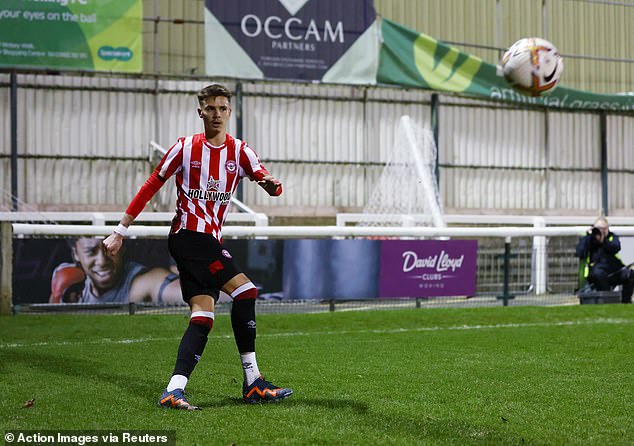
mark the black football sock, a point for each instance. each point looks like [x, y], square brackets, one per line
[192, 346]
[243, 317]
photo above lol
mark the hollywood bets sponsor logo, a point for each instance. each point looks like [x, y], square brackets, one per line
[434, 265]
[211, 194]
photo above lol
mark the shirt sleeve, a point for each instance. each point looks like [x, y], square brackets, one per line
[581, 250]
[612, 243]
[250, 164]
[172, 161]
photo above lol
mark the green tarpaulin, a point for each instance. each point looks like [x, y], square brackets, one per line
[413, 59]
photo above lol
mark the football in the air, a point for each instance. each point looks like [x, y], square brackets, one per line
[533, 66]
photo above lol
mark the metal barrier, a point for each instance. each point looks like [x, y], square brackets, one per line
[539, 270]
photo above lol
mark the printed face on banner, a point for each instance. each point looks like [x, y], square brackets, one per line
[286, 39]
[428, 268]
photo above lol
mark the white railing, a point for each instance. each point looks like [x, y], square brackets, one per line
[538, 231]
[321, 231]
[102, 218]
[345, 219]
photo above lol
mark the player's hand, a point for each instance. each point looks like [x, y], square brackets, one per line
[271, 185]
[113, 243]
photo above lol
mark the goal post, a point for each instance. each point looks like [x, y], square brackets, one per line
[407, 189]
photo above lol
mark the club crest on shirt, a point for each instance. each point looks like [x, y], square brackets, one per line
[230, 166]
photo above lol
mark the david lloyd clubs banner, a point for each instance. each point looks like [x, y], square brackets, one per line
[101, 35]
[428, 268]
[316, 40]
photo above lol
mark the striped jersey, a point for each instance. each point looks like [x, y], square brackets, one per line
[206, 177]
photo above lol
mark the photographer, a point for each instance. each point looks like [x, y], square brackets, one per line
[604, 269]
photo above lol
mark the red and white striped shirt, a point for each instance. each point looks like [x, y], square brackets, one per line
[206, 178]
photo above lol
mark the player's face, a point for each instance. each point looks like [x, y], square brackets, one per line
[215, 113]
[102, 269]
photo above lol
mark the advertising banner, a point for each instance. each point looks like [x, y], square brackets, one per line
[413, 59]
[426, 268]
[316, 40]
[76, 270]
[100, 35]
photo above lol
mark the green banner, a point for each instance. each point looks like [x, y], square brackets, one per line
[101, 35]
[413, 59]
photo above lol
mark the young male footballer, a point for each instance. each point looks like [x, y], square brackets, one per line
[207, 167]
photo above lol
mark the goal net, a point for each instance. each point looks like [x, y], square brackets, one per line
[406, 193]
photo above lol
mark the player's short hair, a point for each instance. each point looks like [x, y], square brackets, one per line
[213, 90]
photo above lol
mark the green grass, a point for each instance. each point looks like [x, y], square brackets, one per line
[512, 375]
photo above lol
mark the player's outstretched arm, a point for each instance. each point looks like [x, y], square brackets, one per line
[271, 185]
[114, 241]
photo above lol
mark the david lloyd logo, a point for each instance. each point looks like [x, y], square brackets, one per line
[428, 268]
[439, 262]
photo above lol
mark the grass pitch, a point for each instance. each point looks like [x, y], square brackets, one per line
[529, 375]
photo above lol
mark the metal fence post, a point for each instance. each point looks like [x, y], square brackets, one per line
[507, 267]
[540, 263]
[14, 139]
[603, 130]
[6, 267]
[434, 126]
[239, 97]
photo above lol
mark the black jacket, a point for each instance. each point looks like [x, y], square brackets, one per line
[603, 254]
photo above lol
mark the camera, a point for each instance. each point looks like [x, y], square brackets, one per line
[596, 238]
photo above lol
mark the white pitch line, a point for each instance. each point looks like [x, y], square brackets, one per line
[599, 321]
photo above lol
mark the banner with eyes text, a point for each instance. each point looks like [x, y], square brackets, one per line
[99, 35]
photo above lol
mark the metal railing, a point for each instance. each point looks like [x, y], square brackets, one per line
[539, 253]
[100, 219]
